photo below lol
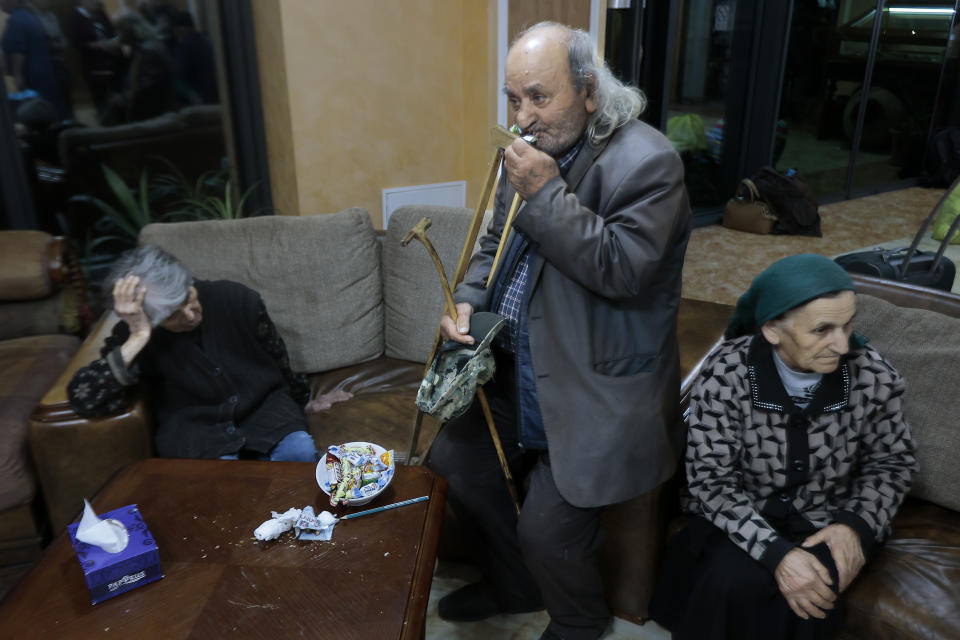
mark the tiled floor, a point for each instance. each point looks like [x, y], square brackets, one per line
[527, 626]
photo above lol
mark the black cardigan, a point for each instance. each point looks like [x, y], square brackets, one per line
[220, 388]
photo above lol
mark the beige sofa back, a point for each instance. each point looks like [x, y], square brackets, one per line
[332, 297]
[924, 346]
[412, 294]
[319, 277]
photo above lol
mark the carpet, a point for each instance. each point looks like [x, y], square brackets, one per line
[721, 263]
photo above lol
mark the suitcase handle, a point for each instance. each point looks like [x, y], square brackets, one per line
[923, 229]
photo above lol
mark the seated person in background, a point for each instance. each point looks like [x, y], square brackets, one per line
[148, 89]
[194, 65]
[798, 457]
[213, 364]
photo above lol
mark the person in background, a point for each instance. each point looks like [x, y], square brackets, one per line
[798, 457]
[194, 66]
[29, 59]
[215, 369]
[58, 45]
[148, 90]
[95, 40]
[160, 14]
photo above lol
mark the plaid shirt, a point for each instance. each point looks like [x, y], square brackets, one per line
[516, 287]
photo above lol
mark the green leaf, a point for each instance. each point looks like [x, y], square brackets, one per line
[118, 218]
[120, 190]
[143, 215]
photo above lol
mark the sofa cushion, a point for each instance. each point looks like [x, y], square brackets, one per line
[31, 318]
[924, 346]
[28, 367]
[23, 267]
[381, 409]
[319, 277]
[412, 295]
[909, 590]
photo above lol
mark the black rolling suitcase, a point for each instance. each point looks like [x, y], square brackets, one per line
[922, 268]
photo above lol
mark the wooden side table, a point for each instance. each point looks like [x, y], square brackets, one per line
[372, 580]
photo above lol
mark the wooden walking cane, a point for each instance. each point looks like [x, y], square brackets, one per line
[500, 139]
[514, 207]
[419, 232]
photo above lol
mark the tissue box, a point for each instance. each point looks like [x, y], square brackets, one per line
[110, 574]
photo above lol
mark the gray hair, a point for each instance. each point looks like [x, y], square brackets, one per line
[617, 103]
[168, 280]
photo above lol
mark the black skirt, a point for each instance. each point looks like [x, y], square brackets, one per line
[708, 588]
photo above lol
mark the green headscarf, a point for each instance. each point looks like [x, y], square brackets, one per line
[785, 285]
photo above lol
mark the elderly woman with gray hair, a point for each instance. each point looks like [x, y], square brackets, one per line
[214, 366]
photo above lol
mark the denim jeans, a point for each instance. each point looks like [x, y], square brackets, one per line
[293, 447]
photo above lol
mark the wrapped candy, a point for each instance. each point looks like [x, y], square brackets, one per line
[355, 471]
[310, 526]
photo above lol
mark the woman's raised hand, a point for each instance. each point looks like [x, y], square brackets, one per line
[128, 305]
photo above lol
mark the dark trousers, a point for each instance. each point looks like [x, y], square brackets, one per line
[549, 553]
[708, 588]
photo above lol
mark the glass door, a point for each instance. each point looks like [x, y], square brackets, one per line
[859, 90]
[712, 69]
[910, 52]
[698, 95]
[818, 111]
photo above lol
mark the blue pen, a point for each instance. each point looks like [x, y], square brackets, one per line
[402, 503]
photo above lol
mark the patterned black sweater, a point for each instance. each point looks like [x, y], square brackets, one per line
[753, 458]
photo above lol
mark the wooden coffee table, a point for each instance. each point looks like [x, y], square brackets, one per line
[371, 581]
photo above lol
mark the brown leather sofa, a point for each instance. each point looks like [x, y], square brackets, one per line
[41, 312]
[911, 589]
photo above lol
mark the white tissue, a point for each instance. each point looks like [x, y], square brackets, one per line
[110, 535]
[278, 524]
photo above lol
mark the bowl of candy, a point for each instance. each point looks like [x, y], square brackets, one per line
[354, 473]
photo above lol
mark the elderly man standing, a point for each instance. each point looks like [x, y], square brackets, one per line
[798, 457]
[586, 392]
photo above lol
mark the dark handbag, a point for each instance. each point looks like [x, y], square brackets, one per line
[922, 268]
[747, 211]
[791, 200]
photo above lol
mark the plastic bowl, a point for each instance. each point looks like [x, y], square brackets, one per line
[329, 464]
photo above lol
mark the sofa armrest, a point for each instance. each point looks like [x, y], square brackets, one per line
[75, 456]
[42, 289]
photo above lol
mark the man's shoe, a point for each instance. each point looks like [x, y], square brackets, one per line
[468, 604]
[476, 601]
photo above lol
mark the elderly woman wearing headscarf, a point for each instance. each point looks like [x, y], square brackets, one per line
[212, 362]
[798, 456]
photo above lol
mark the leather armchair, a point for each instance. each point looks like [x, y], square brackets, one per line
[42, 303]
[76, 456]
